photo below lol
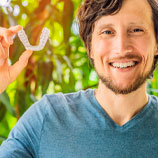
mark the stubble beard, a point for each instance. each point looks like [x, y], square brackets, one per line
[140, 80]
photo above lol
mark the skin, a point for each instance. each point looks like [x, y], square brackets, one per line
[8, 73]
[130, 32]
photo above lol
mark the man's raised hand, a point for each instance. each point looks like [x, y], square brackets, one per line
[8, 73]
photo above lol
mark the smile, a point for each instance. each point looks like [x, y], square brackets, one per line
[124, 65]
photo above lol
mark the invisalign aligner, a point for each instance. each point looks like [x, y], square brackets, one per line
[43, 39]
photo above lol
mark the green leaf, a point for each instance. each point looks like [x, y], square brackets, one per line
[5, 100]
[45, 75]
[2, 138]
[23, 100]
[2, 111]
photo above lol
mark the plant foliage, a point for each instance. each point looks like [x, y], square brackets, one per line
[61, 66]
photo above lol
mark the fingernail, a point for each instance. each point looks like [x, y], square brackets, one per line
[30, 51]
[19, 26]
[1, 62]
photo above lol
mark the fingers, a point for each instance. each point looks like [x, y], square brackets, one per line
[16, 28]
[2, 52]
[7, 34]
[20, 65]
[6, 39]
[3, 55]
[11, 32]
[1, 62]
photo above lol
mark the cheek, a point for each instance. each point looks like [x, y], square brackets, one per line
[101, 48]
[146, 49]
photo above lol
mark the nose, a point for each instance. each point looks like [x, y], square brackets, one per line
[123, 44]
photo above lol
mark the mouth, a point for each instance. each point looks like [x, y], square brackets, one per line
[124, 65]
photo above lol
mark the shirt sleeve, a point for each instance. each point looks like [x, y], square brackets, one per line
[23, 141]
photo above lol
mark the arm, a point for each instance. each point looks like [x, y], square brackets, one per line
[9, 73]
[24, 139]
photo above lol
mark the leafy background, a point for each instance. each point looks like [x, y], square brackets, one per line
[62, 66]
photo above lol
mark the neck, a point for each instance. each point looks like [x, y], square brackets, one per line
[121, 108]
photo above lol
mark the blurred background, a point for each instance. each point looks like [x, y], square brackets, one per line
[62, 66]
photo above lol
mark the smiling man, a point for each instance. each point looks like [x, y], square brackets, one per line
[122, 48]
[116, 120]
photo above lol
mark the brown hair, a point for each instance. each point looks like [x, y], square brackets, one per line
[91, 10]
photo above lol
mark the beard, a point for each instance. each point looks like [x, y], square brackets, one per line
[140, 80]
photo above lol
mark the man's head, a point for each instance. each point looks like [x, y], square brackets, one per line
[92, 10]
[121, 38]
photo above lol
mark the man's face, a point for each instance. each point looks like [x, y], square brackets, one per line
[123, 47]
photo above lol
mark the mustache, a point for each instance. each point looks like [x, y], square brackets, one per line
[126, 57]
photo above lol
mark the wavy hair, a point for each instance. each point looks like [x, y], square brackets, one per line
[92, 10]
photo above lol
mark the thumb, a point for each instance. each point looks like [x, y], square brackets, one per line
[19, 65]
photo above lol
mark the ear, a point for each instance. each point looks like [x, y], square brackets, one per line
[90, 53]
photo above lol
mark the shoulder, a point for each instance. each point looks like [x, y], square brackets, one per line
[68, 97]
[44, 116]
[53, 107]
[153, 100]
[58, 102]
[61, 102]
[153, 106]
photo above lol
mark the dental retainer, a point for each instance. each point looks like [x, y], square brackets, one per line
[23, 38]
[43, 39]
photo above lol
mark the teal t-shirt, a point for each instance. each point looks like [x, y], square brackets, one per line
[74, 125]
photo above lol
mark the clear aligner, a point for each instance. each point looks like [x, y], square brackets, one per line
[43, 39]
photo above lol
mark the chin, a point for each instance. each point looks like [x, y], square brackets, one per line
[123, 86]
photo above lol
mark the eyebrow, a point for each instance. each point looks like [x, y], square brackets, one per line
[105, 25]
[140, 23]
[112, 25]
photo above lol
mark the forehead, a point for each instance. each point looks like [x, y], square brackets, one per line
[132, 11]
[141, 7]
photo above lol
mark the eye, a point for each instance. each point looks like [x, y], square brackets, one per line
[107, 32]
[136, 30]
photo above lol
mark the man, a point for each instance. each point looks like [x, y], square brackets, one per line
[116, 120]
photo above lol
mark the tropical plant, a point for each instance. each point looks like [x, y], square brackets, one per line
[61, 66]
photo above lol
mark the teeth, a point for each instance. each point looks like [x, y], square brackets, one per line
[123, 65]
